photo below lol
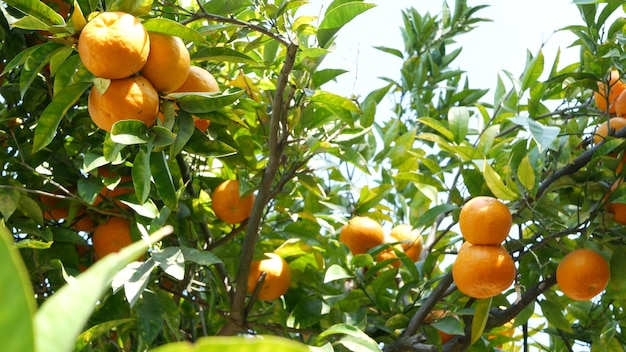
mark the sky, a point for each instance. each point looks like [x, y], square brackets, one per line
[517, 26]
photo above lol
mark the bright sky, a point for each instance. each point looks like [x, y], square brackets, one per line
[493, 46]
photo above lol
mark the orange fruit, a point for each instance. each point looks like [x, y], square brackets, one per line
[411, 240]
[411, 244]
[228, 204]
[167, 66]
[389, 253]
[114, 45]
[125, 186]
[277, 277]
[52, 209]
[198, 80]
[507, 330]
[614, 124]
[361, 234]
[111, 236]
[131, 98]
[582, 274]
[617, 209]
[485, 220]
[481, 271]
[606, 95]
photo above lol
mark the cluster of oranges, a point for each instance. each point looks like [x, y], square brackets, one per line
[135, 67]
[362, 234]
[483, 268]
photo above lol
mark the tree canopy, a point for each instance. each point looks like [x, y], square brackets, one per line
[308, 161]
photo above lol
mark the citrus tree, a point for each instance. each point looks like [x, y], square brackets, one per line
[174, 172]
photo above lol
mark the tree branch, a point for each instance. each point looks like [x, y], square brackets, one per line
[211, 17]
[238, 306]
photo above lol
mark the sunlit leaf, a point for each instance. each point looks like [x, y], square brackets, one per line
[222, 54]
[481, 314]
[458, 122]
[16, 325]
[80, 296]
[338, 16]
[495, 184]
[255, 343]
[167, 26]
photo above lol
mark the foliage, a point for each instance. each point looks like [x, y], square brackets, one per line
[298, 148]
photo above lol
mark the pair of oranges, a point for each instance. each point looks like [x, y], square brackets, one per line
[483, 268]
[362, 233]
[136, 66]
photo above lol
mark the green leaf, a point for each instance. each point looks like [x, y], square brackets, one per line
[35, 63]
[320, 77]
[184, 129]
[481, 314]
[150, 312]
[458, 121]
[532, 71]
[543, 135]
[128, 132]
[555, 316]
[85, 338]
[256, 343]
[371, 197]
[526, 174]
[336, 272]
[355, 339]
[141, 175]
[338, 16]
[200, 144]
[495, 184]
[56, 330]
[54, 112]
[163, 180]
[134, 278]
[9, 200]
[167, 26]
[198, 102]
[334, 100]
[438, 126]
[172, 261]
[30, 208]
[135, 7]
[162, 137]
[618, 272]
[17, 297]
[204, 258]
[222, 54]
[431, 214]
[39, 10]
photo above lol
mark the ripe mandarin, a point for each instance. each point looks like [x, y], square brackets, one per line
[111, 236]
[606, 95]
[361, 234]
[167, 66]
[131, 98]
[485, 221]
[277, 277]
[199, 80]
[228, 204]
[582, 274]
[483, 271]
[114, 45]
